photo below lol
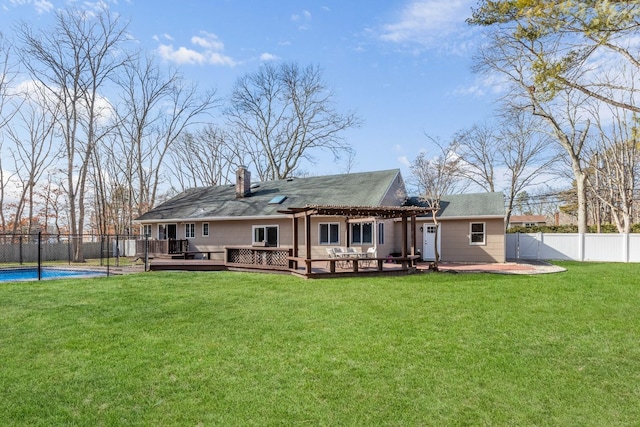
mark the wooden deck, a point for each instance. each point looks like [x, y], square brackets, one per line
[317, 268]
[164, 264]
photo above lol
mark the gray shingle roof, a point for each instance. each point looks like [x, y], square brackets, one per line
[468, 205]
[356, 189]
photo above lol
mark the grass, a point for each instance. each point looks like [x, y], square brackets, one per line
[257, 349]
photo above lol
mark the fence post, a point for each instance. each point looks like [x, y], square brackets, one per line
[39, 255]
[581, 247]
[108, 264]
[146, 252]
[625, 247]
[20, 250]
[117, 250]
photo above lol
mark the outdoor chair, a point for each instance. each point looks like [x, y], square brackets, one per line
[371, 253]
[341, 253]
[330, 254]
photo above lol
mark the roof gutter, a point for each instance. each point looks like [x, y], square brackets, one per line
[209, 219]
[470, 217]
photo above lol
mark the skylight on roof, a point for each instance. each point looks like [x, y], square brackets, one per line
[277, 200]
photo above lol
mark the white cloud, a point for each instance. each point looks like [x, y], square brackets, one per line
[182, 55]
[41, 6]
[207, 41]
[404, 161]
[207, 49]
[494, 84]
[164, 36]
[430, 24]
[216, 58]
[305, 15]
[268, 57]
[303, 19]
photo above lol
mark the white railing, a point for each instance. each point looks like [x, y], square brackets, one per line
[574, 246]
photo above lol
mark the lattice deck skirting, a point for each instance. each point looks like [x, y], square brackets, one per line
[258, 257]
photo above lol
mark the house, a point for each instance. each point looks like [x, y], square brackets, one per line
[259, 214]
[527, 220]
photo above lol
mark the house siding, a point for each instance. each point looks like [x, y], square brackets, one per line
[234, 233]
[456, 247]
[396, 194]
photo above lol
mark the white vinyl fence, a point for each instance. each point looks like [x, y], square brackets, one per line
[574, 246]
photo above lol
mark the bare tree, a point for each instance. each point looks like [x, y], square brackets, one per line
[478, 149]
[566, 121]
[525, 153]
[284, 115]
[513, 153]
[144, 89]
[32, 135]
[204, 158]
[74, 61]
[434, 178]
[156, 110]
[7, 110]
[614, 166]
[542, 200]
[185, 106]
[53, 205]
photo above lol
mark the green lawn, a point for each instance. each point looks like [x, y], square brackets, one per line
[224, 348]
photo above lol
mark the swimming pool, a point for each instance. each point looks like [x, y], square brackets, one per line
[31, 273]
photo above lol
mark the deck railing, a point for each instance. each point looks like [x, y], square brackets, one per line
[162, 247]
[357, 264]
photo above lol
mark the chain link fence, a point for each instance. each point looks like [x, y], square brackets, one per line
[110, 253]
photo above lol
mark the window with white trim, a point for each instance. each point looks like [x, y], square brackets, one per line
[146, 230]
[205, 229]
[329, 233]
[362, 233]
[477, 233]
[265, 235]
[189, 230]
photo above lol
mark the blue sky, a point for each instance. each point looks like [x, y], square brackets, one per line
[403, 66]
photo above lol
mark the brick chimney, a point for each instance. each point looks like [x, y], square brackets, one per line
[243, 182]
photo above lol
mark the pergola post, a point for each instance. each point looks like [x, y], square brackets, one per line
[413, 236]
[403, 251]
[296, 243]
[307, 240]
[404, 241]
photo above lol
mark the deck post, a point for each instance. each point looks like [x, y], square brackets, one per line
[413, 238]
[307, 240]
[294, 264]
[404, 241]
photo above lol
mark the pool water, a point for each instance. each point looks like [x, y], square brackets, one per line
[31, 273]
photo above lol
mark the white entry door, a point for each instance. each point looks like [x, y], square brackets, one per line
[429, 242]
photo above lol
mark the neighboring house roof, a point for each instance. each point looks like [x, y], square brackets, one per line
[355, 189]
[475, 205]
[528, 219]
